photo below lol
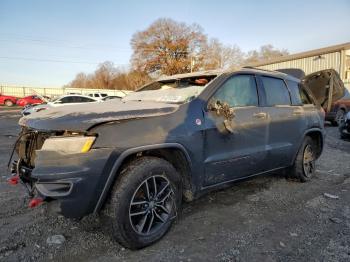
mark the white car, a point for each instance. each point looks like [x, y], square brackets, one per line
[60, 101]
[98, 95]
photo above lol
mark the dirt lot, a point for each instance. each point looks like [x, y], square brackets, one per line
[262, 219]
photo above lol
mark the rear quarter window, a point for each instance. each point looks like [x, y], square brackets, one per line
[298, 95]
[295, 92]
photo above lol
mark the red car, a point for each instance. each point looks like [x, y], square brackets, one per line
[7, 100]
[339, 109]
[30, 100]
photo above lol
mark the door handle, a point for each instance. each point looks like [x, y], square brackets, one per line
[260, 115]
[297, 112]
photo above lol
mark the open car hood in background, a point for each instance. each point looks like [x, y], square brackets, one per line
[326, 87]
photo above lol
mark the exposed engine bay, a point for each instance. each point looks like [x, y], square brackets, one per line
[28, 142]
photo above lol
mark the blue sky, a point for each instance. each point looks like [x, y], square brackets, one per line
[47, 42]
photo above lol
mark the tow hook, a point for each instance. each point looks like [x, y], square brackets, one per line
[35, 202]
[13, 180]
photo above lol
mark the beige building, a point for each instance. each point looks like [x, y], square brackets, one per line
[336, 57]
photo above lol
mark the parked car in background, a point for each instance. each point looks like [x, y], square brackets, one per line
[176, 138]
[60, 101]
[339, 109]
[98, 95]
[30, 100]
[110, 97]
[8, 100]
[344, 127]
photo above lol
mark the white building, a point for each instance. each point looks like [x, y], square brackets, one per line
[336, 57]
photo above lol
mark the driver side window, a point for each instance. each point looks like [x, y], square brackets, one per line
[238, 91]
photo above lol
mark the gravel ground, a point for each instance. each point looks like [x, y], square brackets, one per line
[263, 219]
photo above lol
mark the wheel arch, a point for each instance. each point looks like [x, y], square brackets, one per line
[314, 133]
[8, 99]
[174, 153]
[317, 135]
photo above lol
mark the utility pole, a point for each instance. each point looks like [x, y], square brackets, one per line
[192, 62]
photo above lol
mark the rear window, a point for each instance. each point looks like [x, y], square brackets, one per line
[276, 91]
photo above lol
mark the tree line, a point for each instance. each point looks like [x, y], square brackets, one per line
[168, 47]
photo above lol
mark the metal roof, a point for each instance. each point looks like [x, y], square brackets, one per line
[316, 52]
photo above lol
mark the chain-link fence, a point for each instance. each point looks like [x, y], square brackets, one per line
[19, 91]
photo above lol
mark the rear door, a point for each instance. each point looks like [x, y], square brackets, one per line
[286, 122]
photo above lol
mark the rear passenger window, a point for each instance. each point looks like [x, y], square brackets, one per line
[276, 91]
[238, 91]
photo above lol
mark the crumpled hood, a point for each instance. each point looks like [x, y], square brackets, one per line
[82, 116]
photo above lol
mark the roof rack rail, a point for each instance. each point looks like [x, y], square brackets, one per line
[295, 72]
[256, 68]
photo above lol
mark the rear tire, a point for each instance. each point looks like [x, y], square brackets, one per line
[144, 202]
[8, 103]
[304, 166]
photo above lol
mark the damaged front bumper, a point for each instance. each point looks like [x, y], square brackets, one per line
[75, 181]
[70, 183]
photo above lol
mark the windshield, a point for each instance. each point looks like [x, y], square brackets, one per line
[176, 91]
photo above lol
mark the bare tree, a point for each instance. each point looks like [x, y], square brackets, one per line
[218, 56]
[80, 81]
[167, 47]
[106, 76]
[266, 52]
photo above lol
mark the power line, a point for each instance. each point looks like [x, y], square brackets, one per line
[52, 60]
[93, 46]
[71, 44]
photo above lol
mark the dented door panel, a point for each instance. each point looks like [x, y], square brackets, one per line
[229, 156]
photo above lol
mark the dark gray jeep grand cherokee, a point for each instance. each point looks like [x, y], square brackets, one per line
[138, 158]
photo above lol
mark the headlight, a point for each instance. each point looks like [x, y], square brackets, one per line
[69, 145]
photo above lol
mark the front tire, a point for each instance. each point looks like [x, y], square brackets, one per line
[304, 166]
[144, 202]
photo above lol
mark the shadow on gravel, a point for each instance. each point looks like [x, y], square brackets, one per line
[233, 193]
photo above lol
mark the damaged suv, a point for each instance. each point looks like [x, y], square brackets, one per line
[136, 159]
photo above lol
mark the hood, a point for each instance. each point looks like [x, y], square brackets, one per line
[326, 87]
[80, 117]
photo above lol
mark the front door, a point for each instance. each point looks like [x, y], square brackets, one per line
[236, 148]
